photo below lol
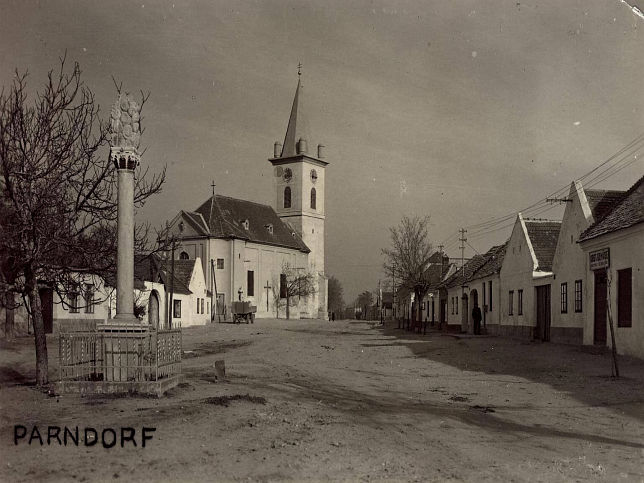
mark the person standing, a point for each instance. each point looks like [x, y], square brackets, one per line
[476, 316]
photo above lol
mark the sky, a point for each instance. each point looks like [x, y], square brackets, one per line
[462, 111]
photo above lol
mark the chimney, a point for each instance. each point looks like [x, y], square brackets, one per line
[277, 149]
[321, 148]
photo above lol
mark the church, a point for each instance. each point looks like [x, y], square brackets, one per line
[247, 248]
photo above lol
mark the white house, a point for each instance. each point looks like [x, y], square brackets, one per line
[570, 284]
[614, 249]
[526, 278]
[474, 284]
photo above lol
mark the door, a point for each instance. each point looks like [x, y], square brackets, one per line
[47, 308]
[600, 307]
[542, 331]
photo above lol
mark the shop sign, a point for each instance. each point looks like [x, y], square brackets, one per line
[600, 259]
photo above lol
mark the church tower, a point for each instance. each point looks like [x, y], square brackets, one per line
[299, 181]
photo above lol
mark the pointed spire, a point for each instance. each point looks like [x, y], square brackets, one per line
[296, 130]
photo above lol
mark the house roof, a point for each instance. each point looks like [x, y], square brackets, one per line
[543, 235]
[153, 269]
[603, 201]
[627, 212]
[224, 218]
[478, 266]
[494, 261]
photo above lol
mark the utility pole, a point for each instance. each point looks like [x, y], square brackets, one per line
[440, 249]
[462, 239]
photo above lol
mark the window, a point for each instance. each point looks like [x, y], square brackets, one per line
[89, 298]
[624, 298]
[220, 264]
[489, 289]
[578, 296]
[202, 303]
[250, 283]
[520, 302]
[184, 256]
[287, 197]
[176, 312]
[456, 304]
[564, 298]
[313, 198]
[510, 302]
[452, 301]
[197, 304]
[72, 297]
[282, 285]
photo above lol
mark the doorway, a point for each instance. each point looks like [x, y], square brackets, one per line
[600, 304]
[542, 330]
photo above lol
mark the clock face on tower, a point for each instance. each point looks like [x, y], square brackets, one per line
[314, 175]
[288, 174]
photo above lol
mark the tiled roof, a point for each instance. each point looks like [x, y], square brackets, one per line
[628, 212]
[494, 260]
[462, 275]
[477, 267]
[225, 216]
[543, 236]
[152, 268]
[603, 201]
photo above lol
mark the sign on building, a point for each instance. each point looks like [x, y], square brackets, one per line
[600, 259]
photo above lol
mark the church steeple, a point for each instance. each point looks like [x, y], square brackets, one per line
[295, 141]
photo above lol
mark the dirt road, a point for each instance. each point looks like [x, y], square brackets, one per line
[344, 400]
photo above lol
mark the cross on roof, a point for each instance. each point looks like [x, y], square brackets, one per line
[299, 68]
[213, 187]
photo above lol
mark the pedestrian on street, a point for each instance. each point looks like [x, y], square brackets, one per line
[476, 316]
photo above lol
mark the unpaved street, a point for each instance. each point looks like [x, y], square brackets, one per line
[346, 401]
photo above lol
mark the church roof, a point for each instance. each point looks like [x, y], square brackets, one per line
[627, 212]
[225, 217]
[296, 125]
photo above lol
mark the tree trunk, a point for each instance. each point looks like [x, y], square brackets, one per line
[40, 338]
[9, 303]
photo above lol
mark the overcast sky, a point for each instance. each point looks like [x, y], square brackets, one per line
[460, 110]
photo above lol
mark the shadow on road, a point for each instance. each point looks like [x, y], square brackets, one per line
[584, 374]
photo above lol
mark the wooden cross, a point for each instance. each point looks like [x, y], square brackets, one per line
[299, 68]
[267, 287]
[213, 187]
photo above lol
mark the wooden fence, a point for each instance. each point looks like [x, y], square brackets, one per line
[119, 355]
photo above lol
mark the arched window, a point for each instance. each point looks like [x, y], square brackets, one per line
[313, 198]
[287, 197]
[184, 256]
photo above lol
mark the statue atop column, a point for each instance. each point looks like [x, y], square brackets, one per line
[125, 131]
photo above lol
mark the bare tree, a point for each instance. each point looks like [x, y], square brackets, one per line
[408, 256]
[336, 299]
[59, 191]
[295, 284]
